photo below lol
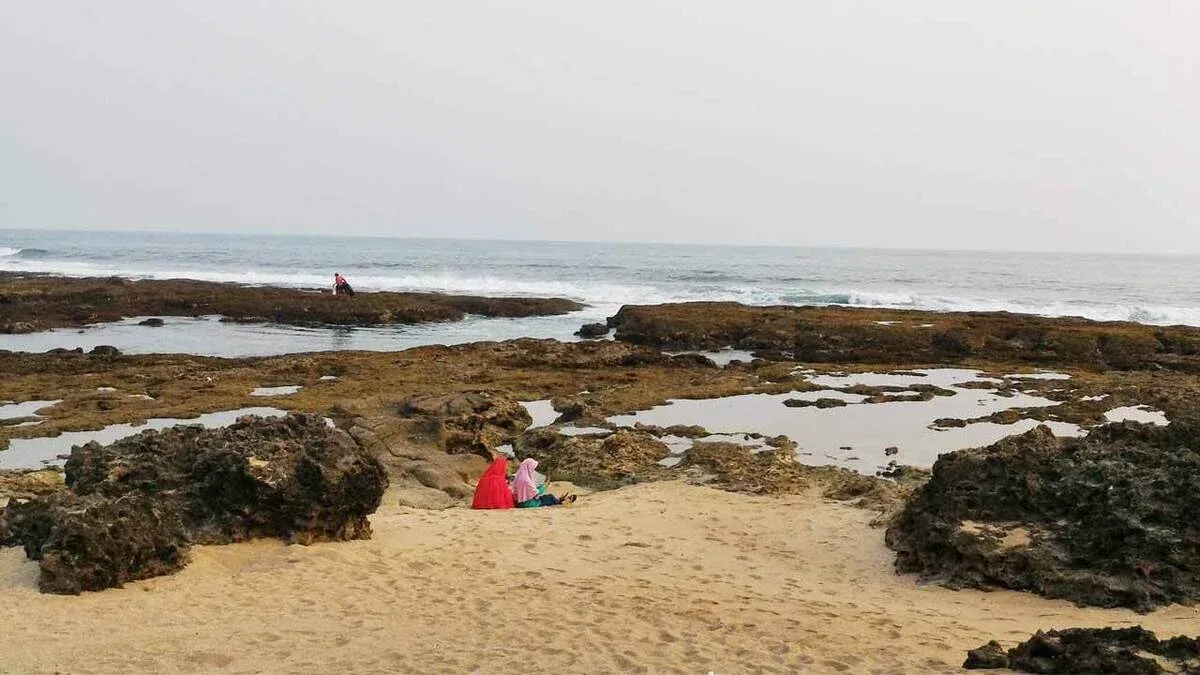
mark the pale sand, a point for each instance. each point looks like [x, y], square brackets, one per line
[663, 578]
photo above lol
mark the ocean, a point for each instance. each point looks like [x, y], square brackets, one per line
[1142, 288]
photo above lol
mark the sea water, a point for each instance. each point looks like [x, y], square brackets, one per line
[605, 276]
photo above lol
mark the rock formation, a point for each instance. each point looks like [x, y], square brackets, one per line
[135, 506]
[92, 542]
[846, 334]
[590, 331]
[470, 422]
[1087, 651]
[621, 457]
[421, 473]
[43, 302]
[1112, 519]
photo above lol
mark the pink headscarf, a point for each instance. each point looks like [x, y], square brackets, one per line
[525, 483]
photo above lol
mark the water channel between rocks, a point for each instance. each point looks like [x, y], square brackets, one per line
[857, 434]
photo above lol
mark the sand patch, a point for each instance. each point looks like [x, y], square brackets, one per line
[662, 577]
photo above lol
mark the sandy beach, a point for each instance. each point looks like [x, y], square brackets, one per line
[663, 577]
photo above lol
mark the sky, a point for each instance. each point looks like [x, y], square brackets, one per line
[960, 124]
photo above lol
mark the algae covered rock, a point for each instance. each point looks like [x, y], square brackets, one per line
[1087, 651]
[1110, 520]
[134, 507]
[622, 456]
[293, 478]
[590, 331]
[470, 422]
[91, 543]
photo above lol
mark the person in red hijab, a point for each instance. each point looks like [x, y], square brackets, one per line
[493, 492]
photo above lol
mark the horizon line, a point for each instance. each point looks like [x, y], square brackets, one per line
[492, 238]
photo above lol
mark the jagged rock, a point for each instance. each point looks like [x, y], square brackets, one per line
[134, 506]
[92, 542]
[152, 322]
[740, 469]
[1087, 651]
[105, 351]
[592, 330]
[889, 451]
[470, 422]
[619, 457]
[293, 478]
[1106, 520]
[989, 656]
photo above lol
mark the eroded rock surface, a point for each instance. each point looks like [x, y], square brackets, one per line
[90, 543]
[620, 457]
[135, 506]
[412, 451]
[1112, 519]
[292, 477]
[470, 422]
[41, 302]
[844, 334]
[1088, 651]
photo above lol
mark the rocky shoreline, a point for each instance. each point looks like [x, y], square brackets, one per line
[902, 337]
[30, 303]
[1099, 521]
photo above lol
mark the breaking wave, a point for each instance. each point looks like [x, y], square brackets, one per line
[607, 284]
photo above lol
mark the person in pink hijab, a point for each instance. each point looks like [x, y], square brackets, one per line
[524, 485]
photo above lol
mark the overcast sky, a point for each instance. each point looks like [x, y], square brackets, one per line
[1021, 124]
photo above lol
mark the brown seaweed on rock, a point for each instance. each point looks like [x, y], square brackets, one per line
[33, 303]
[846, 335]
[1109, 520]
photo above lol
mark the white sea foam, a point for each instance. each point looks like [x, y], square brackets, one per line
[607, 291]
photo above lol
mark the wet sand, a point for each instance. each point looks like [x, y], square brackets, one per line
[661, 577]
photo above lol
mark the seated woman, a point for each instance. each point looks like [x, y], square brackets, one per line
[528, 494]
[492, 491]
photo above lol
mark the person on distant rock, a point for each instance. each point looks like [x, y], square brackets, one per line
[341, 286]
[492, 491]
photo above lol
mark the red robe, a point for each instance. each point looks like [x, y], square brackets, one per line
[492, 492]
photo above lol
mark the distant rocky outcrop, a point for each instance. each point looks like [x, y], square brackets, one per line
[134, 507]
[848, 334]
[1110, 520]
[1088, 651]
[36, 302]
